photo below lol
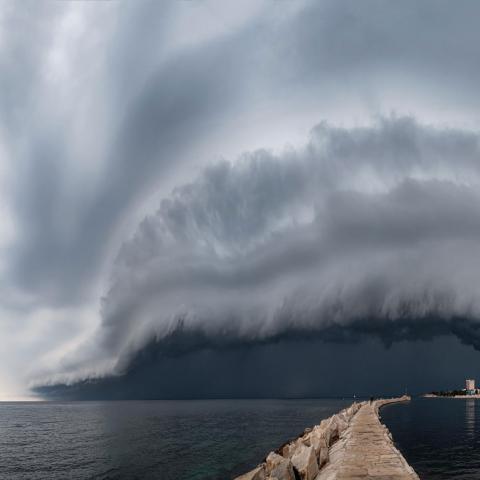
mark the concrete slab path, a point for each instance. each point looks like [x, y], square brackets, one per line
[366, 451]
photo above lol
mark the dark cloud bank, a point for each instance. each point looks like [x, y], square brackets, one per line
[263, 271]
[284, 369]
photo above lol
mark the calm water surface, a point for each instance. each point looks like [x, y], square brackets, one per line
[163, 440]
[440, 438]
[213, 439]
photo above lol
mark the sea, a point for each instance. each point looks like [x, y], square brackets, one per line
[161, 440]
[439, 437]
[213, 439]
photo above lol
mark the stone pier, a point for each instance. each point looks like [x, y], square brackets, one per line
[352, 444]
[366, 450]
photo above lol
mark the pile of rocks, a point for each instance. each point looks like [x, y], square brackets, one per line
[303, 457]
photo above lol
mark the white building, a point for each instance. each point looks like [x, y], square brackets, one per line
[470, 386]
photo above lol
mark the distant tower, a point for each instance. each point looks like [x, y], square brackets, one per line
[470, 386]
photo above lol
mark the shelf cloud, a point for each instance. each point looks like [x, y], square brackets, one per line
[216, 175]
[363, 232]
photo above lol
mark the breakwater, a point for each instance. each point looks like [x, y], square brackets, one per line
[348, 445]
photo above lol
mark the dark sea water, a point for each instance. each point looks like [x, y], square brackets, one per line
[162, 440]
[439, 437]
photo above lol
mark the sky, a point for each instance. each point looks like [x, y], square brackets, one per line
[257, 198]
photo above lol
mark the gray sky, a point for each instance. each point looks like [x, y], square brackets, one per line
[232, 173]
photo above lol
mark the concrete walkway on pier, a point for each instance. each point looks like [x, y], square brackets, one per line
[366, 451]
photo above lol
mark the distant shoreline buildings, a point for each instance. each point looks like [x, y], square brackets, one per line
[469, 391]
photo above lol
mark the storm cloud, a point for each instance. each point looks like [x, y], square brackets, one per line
[363, 232]
[223, 174]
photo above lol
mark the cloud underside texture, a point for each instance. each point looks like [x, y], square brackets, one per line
[367, 231]
[288, 368]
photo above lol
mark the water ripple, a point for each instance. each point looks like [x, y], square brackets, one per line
[168, 440]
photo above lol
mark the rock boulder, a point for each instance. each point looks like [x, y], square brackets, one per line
[305, 462]
[278, 467]
[255, 474]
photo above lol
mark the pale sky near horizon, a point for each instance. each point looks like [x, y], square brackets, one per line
[229, 173]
